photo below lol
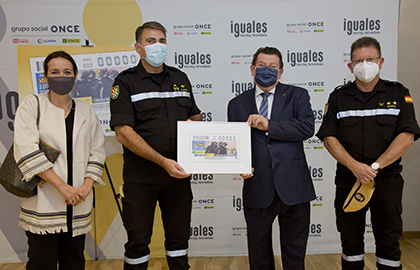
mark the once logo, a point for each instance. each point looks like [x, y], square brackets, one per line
[202, 26]
[65, 29]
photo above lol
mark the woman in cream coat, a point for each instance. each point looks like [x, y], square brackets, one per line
[57, 219]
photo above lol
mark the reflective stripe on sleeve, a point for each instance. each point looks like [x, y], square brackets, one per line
[176, 253]
[148, 95]
[388, 262]
[137, 260]
[363, 113]
[355, 258]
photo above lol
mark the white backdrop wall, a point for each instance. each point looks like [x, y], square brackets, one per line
[213, 42]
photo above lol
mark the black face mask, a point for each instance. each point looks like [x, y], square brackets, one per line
[61, 85]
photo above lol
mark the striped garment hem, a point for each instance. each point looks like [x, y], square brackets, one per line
[48, 223]
[94, 170]
[32, 164]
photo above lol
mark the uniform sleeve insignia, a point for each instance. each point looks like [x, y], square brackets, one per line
[325, 109]
[408, 99]
[115, 92]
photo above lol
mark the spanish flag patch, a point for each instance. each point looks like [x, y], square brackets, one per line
[408, 99]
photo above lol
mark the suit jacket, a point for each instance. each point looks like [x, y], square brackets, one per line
[277, 157]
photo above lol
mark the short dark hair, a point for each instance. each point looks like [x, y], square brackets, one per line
[59, 54]
[267, 50]
[153, 25]
[365, 42]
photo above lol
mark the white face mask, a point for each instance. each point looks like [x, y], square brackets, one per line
[366, 71]
[155, 53]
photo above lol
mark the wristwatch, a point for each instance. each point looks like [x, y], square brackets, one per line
[376, 166]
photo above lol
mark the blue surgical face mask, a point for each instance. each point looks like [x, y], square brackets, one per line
[266, 76]
[155, 54]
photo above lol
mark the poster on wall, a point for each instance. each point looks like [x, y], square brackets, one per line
[96, 74]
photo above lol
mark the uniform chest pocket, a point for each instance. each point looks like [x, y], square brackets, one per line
[184, 102]
[146, 105]
[387, 124]
[387, 120]
[346, 122]
[346, 131]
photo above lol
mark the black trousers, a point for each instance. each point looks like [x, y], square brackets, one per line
[294, 230]
[45, 251]
[385, 209]
[139, 203]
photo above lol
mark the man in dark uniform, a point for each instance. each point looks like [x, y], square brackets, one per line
[146, 103]
[367, 127]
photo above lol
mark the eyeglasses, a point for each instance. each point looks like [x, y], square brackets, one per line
[370, 59]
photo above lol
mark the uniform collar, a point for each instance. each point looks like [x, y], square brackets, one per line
[144, 74]
[379, 87]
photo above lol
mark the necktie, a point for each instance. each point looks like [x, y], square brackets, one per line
[264, 105]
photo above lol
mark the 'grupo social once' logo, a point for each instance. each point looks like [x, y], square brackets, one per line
[248, 29]
[193, 60]
[365, 26]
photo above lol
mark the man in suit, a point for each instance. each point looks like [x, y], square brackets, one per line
[280, 186]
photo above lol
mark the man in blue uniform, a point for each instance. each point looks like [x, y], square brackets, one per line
[281, 185]
[367, 127]
[146, 103]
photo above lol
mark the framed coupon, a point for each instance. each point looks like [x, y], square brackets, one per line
[214, 147]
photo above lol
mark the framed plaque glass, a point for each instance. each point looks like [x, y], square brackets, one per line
[214, 147]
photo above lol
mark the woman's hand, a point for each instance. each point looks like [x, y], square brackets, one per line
[69, 193]
[84, 190]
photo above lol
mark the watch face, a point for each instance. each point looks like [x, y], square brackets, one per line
[375, 166]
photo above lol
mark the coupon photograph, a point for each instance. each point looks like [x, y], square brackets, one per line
[214, 147]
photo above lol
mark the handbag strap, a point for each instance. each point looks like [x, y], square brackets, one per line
[38, 112]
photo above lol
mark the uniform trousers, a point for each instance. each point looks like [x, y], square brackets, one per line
[45, 250]
[139, 203]
[385, 209]
[294, 230]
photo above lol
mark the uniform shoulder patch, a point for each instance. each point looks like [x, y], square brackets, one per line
[408, 99]
[115, 92]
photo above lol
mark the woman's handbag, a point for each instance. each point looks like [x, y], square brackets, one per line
[11, 177]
